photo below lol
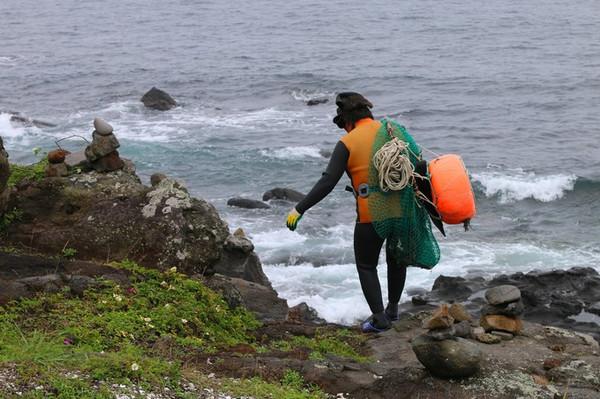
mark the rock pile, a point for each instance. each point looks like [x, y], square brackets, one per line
[4, 174]
[442, 350]
[500, 316]
[56, 163]
[102, 153]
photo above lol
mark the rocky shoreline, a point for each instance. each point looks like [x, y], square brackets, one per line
[62, 231]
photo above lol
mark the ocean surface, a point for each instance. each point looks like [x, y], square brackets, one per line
[512, 86]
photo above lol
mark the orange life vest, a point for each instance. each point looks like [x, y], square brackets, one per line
[359, 143]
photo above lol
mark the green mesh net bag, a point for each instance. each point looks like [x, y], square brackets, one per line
[397, 215]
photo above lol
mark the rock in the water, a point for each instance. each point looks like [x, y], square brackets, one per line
[501, 323]
[452, 287]
[488, 338]
[594, 308]
[56, 170]
[101, 146]
[442, 333]
[510, 309]
[451, 358]
[156, 178]
[158, 99]
[317, 101]
[419, 300]
[302, 313]
[459, 313]
[76, 159]
[463, 329]
[502, 294]
[102, 127]
[4, 175]
[440, 319]
[108, 163]
[57, 156]
[247, 203]
[286, 194]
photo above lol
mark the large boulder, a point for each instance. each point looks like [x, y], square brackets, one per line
[450, 358]
[4, 175]
[112, 216]
[158, 99]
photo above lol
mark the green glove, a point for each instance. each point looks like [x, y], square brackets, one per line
[292, 219]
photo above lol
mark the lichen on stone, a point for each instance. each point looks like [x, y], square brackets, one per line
[170, 193]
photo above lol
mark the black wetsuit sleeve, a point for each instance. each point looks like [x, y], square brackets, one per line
[333, 173]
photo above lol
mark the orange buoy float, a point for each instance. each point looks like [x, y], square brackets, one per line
[451, 188]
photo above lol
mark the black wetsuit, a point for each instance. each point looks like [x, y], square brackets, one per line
[367, 243]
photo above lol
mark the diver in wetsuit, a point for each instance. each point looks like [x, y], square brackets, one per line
[353, 155]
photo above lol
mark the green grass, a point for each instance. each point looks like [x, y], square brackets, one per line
[327, 343]
[19, 173]
[9, 217]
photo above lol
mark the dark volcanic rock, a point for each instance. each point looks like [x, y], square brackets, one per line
[457, 358]
[26, 121]
[317, 101]
[112, 215]
[108, 163]
[247, 203]
[260, 299]
[4, 175]
[510, 309]
[302, 313]
[451, 287]
[76, 159]
[286, 194]
[158, 99]
[56, 170]
[239, 260]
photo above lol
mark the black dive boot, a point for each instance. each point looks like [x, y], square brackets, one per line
[378, 322]
[391, 311]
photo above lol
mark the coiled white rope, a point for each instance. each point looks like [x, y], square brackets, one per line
[393, 164]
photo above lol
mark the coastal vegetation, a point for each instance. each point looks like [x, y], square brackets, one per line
[145, 334]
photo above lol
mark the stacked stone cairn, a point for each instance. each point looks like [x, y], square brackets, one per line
[102, 153]
[442, 349]
[56, 163]
[500, 316]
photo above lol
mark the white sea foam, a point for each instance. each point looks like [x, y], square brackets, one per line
[334, 290]
[299, 152]
[517, 185]
[15, 134]
[305, 94]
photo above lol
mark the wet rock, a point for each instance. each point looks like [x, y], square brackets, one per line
[57, 156]
[455, 288]
[504, 336]
[488, 338]
[4, 175]
[158, 99]
[247, 203]
[459, 313]
[156, 178]
[286, 194]
[440, 319]
[594, 308]
[316, 101]
[457, 358]
[101, 146]
[108, 163]
[419, 300]
[510, 309]
[56, 170]
[78, 284]
[502, 294]
[463, 329]
[102, 127]
[26, 121]
[76, 159]
[501, 323]
[442, 333]
[302, 313]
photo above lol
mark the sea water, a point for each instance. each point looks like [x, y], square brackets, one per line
[514, 87]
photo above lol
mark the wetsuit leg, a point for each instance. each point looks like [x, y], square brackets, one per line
[396, 277]
[367, 245]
